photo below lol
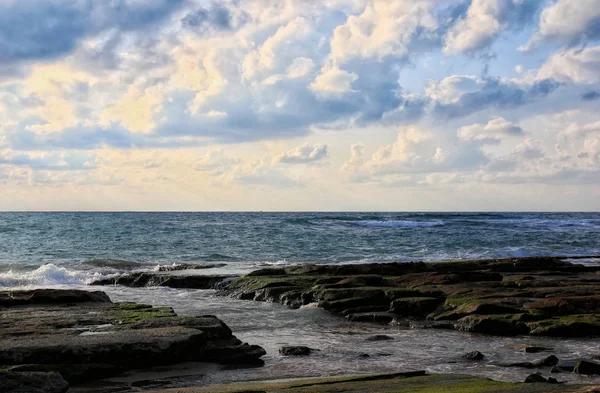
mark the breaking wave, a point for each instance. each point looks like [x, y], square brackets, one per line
[47, 275]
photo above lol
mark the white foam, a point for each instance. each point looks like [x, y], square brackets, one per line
[47, 275]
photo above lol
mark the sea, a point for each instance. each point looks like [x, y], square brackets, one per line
[70, 250]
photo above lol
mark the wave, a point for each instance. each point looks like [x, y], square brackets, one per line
[47, 275]
[399, 224]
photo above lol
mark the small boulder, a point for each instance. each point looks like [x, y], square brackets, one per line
[474, 355]
[555, 370]
[295, 351]
[587, 367]
[534, 349]
[567, 365]
[546, 362]
[538, 378]
[535, 378]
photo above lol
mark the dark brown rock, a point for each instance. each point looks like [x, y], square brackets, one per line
[32, 382]
[295, 351]
[475, 355]
[587, 367]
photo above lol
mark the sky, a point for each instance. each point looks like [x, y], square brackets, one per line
[287, 105]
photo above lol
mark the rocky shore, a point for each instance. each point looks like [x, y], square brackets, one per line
[543, 296]
[52, 338]
[413, 382]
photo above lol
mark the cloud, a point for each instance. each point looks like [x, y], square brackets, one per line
[217, 17]
[484, 21]
[304, 154]
[459, 95]
[385, 28]
[216, 163]
[31, 30]
[573, 65]
[66, 161]
[496, 129]
[590, 96]
[567, 22]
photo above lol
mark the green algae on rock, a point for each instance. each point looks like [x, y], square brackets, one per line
[83, 335]
[542, 296]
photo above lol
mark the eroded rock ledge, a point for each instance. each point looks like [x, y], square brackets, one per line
[83, 335]
[543, 296]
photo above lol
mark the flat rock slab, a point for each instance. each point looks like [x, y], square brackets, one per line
[50, 330]
[538, 296]
[386, 383]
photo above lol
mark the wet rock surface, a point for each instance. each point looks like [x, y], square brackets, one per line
[32, 382]
[295, 351]
[83, 336]
[163, 279]
[540, 296]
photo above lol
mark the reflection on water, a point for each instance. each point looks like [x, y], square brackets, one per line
[342, 347]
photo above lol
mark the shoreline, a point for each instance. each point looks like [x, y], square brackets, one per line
[494, 296]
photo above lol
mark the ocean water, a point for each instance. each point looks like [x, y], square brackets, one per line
[68, 250]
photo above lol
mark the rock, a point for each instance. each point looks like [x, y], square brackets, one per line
[364, 355]
[51, 296]
[475, 355]
[375, 317]
[535, 378]
[96, 339]
[145, 279]
[539, 296]
[555, 370]
[492, 324]
[379, 337]
[567, 365]
[32, 382]
[73, 373]
[295, 351]
[546, 362]
[587, 367]
[415, 306]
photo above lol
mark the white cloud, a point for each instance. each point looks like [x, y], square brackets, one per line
[384, 28]
[496, 129]
[567, 21]
[573, 65]
[304, 154]
[334, 80]
[484, 22]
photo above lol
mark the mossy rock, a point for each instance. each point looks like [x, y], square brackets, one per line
[127, 313]
[415, 306]
[586, 325]
[497, 325]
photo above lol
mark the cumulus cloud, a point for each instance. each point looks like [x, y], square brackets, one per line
[496, 129]
[458, 95]
[304, 154]
[484, 21]
[385, 28]
[573, 65]
[32, 30]
[567, 22]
